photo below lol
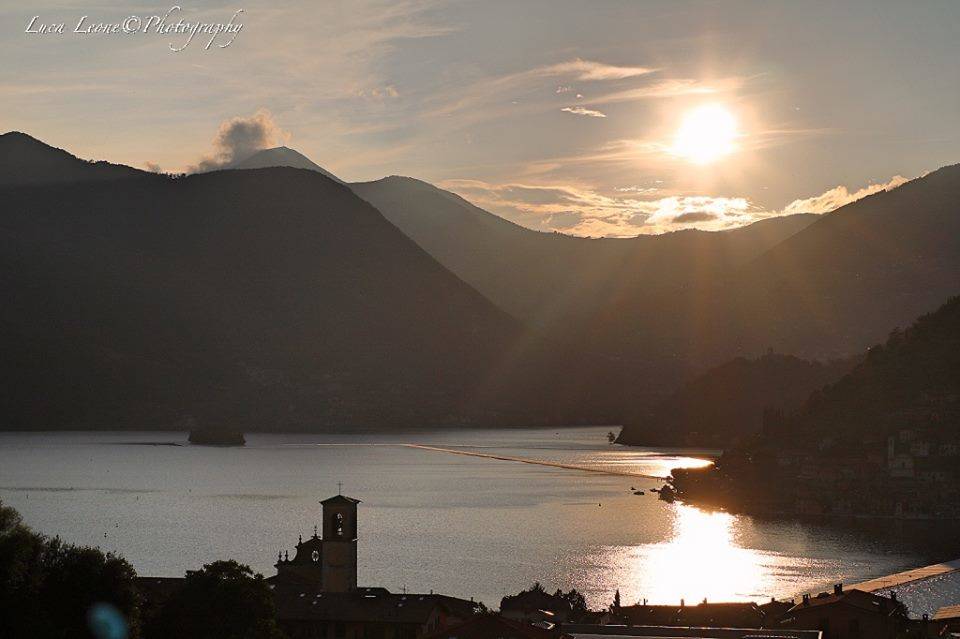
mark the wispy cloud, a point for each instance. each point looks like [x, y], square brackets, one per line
[838, 196]
[589, 70]
[670, 88]
[582, 111]
[477, 100]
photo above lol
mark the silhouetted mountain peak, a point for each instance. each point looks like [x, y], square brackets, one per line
[283, 156]
[26, 160]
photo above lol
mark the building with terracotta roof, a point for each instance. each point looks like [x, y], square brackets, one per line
[848, 614]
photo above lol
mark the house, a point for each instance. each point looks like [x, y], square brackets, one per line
[720, 615]
[366, 615]
[848, 614]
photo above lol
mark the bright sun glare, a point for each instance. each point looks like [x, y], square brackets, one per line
[706, 134]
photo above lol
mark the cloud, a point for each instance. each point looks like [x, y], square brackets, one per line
[582, 211]
[582, 111]
[588, 70]
[153, 167]
[564, 220]
[839, 196]
[238, 138]
[694, 216]
[485, 98]
[378, 93]
[671, 88]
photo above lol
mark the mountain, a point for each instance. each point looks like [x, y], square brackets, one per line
[729, 402]
[881, 441]
[264, 298]
[840, 284]
[527, 272]
[910, 381]
[25, 162]
[283, 156]
[818, 287]
[618, 296]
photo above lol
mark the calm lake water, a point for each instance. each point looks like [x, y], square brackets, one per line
[463, 525]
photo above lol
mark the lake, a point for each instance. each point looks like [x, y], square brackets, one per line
[466, 525]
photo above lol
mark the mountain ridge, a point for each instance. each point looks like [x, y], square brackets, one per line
[265, 298]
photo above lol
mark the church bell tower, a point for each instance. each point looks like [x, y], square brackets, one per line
[327, 563]
[339, 544]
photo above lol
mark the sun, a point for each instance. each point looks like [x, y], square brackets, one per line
[707, 133]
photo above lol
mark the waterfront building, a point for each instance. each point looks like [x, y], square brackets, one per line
[848, 614]
[720, 615]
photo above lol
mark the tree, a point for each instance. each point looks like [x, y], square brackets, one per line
[578, 603]
[50, 589]
[616, 601]
[223, 600]
[80, 580]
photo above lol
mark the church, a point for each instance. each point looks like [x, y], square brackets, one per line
[327, 564]
[316, 593]
[317, 596]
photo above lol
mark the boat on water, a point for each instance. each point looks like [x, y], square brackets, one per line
[216, 437]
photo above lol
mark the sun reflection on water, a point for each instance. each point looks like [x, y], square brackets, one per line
[701, 560]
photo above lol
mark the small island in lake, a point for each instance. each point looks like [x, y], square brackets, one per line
[216, 437]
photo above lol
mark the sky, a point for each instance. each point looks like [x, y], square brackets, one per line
[595, 118]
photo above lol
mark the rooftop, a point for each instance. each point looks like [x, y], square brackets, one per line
[487, 626]
[340, 499]
[654, 632]
[369, 605]
[855, 598]
[724, 615]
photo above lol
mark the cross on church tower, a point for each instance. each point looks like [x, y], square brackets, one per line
[339, 487]
[327, 561]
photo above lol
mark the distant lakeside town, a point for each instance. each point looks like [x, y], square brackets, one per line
[910, 475]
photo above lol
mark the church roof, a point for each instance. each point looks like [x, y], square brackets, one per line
[340, 499]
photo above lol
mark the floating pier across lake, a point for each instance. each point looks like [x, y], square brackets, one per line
[908, 576]
[538, 462]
